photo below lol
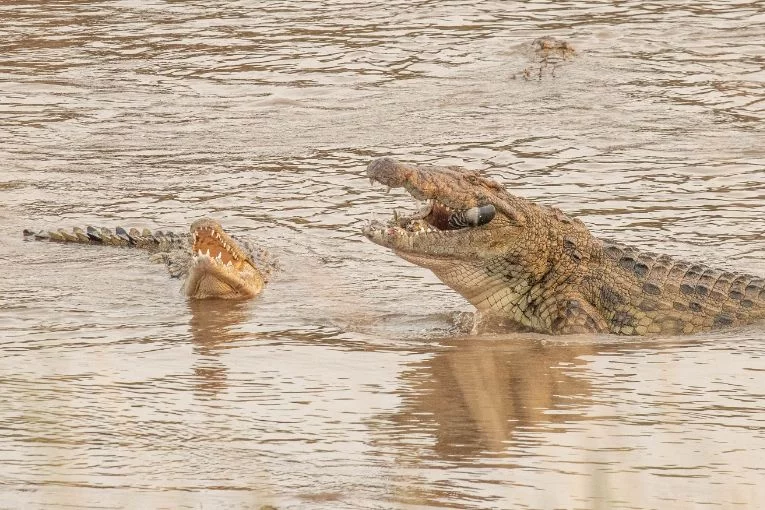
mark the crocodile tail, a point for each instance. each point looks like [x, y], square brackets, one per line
[146, 239]
[77, 235]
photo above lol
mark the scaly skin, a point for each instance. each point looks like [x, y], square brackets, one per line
[546, 54]
[213, 263]
[538, 269]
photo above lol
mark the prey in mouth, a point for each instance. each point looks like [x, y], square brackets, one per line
[435, 217]
[453, 222]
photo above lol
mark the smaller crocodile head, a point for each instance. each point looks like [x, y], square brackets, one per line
[471, 231]
[220, 267]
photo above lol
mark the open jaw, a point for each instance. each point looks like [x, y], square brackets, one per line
[220, 267]
[431, 231]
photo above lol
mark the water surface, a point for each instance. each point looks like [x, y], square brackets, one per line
[352, 381]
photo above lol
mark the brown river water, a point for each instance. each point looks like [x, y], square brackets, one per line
[352, 382]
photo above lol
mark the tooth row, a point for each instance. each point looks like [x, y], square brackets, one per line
[443, 206]
[425, 210]
[227, 264]
[219, 257]
[214, 233]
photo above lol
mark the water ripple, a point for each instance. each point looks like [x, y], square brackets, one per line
[349, 383]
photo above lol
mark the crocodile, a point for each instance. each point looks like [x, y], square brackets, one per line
[532, 267]
[212, 263]
[546, 55]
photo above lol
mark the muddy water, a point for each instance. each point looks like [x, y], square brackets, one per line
[351, 382]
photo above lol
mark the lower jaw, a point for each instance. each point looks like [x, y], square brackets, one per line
[204, 284]
[432, 262]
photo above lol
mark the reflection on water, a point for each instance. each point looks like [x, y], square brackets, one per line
[603, 423]
[213, 328]
[478, 392]
[349, 383]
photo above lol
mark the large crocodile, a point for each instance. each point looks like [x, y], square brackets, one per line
[213, 264]
[538, 269]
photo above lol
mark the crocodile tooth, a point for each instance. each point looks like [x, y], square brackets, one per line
[208, 252]
[219, 257]
[199, 252]
[229, 264]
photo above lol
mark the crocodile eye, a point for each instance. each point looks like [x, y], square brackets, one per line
[473, 217]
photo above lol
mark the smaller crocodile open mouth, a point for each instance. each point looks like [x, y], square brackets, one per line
[221, 266]
[210, 244]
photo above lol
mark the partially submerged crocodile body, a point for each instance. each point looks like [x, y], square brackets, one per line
[546, 55]
[213, 264]
[537, 269]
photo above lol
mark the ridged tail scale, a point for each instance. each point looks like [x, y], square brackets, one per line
[145, 239]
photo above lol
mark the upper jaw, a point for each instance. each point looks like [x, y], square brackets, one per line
[452, 211]
[445, 185]
[210, 240]
[390, 172]
[452, 205]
